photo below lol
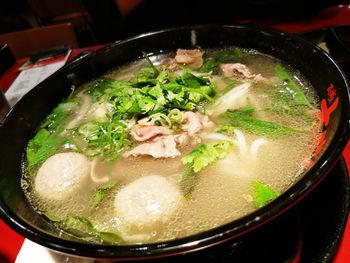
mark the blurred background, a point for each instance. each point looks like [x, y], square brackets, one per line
[82, 23]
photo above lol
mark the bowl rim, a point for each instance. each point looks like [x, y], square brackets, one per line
[213, 236]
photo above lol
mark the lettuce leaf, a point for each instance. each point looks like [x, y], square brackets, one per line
[83, 227]
[243, 119]
[262, 194]
[101, 192]
[296, 92]
[48, 139]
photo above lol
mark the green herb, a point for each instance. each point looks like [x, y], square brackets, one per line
[283, 104]
[105, 139]
[101, 193]
[229, 88]
[49, 139]
[187, 91]
[98, 88]
[243, 119]
[294, 89]
[199, 158]
[262, 194]
[175, 116]
[42, 146]
[146, 76]
[59, 114]
[82, 226]
[157, 119]
[188, 182]
[149, 92]
[203, 155]
[52, 217]
[156, 71]
[110, 237]
[288, 99]
[215, 58]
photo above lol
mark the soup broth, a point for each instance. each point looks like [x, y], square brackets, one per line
[172, 145]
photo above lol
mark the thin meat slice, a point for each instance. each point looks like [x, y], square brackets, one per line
[191, 57]
[240, 70]
[142, 133]
[191, 122]
[170, 64]
[181, 139]
[162, 147]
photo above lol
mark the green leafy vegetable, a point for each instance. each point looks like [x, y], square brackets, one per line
[105, 139]
[52, 217]
[149, 92]
[215, 58]
[101, 193]
[263, 194]
[294, 89]
[203, 155]
[175, 116]
[82, 226]
[243, 119]
[157, 119]
[49, 139]
[155, 70]
[59, 114]
[40, 147]
[283, 104]
[288, 99]
[110, 237]
[98, 88]
[199, 158]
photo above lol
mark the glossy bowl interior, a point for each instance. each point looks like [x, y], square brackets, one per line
[20, 124]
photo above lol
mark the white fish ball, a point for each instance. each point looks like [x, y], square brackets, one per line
[61, 175]
[147, 201]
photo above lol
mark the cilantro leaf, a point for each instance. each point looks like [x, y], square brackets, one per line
[105, 139]
[149, 92]
[199, 158]
[97, 89]
[204, 155]
[156, 72]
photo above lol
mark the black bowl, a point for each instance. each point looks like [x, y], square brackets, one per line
[19, 125]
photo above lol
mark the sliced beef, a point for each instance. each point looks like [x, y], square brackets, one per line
[191, 57]
[240, 70]
[162, 147]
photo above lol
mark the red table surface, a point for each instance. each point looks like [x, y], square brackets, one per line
[11, 242]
